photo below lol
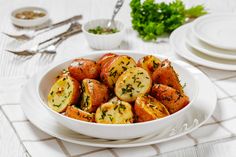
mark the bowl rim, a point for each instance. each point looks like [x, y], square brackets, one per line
[177, 62]
[29, 8]
[103, 35]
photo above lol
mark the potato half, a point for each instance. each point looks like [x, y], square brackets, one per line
[115, 112]
[149, 63]
[64, 92]
[132, 83]
[148, 108]
[93, 95]
[173, 99]
[114, 68]
[165, 74]
[105, 58]
[76, 113]
[84, 68]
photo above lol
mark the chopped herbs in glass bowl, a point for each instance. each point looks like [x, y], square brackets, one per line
[103, 30]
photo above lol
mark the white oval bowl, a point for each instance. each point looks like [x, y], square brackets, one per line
[103, 41]
[32, 22]
[118, 131]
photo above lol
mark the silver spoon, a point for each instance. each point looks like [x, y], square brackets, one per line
[118, 5]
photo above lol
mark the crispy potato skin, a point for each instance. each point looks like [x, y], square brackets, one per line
[105, 58]
[64, 92]
[114, 68]
[170, 97]
[148, 108]
[166, 75]
[114, 112]
[94, 94]
[149, 63]
[84, 68]
[79, 114]
[132, 83]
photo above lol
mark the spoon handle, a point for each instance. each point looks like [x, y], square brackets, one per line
[118, 5]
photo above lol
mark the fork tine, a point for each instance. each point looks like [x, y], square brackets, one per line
[12, 51]
[21, 37]
[9, 35]
[22, 53]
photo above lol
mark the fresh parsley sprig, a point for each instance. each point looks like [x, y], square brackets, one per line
[152, 19]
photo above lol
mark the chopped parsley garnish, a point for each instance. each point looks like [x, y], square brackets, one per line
[101, 30]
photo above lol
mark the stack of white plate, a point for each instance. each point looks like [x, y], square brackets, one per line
[210, 41]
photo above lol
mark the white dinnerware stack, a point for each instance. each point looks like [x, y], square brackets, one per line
[209, 41]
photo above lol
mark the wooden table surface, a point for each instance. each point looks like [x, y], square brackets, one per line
[11, 65]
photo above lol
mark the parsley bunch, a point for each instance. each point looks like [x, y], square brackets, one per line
[152, 19]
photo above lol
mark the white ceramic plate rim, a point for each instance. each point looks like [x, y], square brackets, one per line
[187, 54]
[34, 120]
[202, 49]
[207, 39]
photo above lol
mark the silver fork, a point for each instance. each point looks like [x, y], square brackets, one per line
[31, 34]
[51, 48]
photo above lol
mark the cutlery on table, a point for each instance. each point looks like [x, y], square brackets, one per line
[31, 34]
[118, 5]
[50, 48]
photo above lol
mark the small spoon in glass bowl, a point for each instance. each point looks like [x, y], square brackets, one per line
[118, 5]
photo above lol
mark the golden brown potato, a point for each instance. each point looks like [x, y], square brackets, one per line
[84, 68]
[165, 74]
[64, 92]
[149, 63]
[105, 58]
[132, 83]
[76, 113]
[93, 95]
[147, 108]
[170, 97]
[115, 112]
[114, 68]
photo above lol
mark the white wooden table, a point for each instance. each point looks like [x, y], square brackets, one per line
[11, 65]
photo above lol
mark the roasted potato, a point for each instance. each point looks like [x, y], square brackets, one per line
[84, 68]
[165, 74]
[115, 112]
[114, 68]
[173, 99]
[105, 58]
[132, 83]
[93, 95]
[147, 108]
[76, 113]
[64, 92]
[149, 63]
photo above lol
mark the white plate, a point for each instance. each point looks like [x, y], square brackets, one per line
[178, 42]
[198, 114]
[218, 30]
[208, 49]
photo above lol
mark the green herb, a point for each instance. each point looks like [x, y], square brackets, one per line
[127, 89]
[155, 65]
[68, 85]
[121, 107]
[115, 107]
[185, 84]
[103, 114]
[152, 19]
[101, 30]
